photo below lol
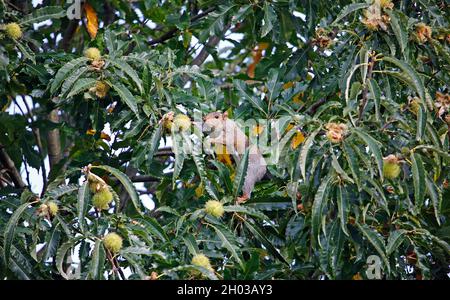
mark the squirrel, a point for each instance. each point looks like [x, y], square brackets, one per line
[225, 131]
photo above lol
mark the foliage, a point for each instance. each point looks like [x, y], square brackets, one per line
[344, 83]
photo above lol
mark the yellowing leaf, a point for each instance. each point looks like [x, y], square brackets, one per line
[92, 20]
[297, 140]
[263, 46]
[288, 85]
[222, 155]
[298, 98]
[257, 55]
[257, 130]
[105, 136]
[199, 190]
[289, 127]
[187, 37]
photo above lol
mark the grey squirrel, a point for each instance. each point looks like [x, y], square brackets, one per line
[224, 131]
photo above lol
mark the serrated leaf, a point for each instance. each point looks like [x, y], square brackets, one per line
[8, 233]
[396, 238]
[97, 261]
[43, 14]
[343, 208]
[245, 210]
[209, 274]
[374, 148]
[270, 18]
[65, 71]
[61, 254]
[191, 244]
[260, 236]
[418, 174]
[81, 85]
[125, 95]
[421, 122]
[348, 10]
[409, 71]
[71, 79]
[376, 241]
[61, 191]
[320, 200]
[229, 242]
[26, 51]
[241, 174]
[127, 69]
[305, 150]
[82, 204]
[436, 198]
[399, 29]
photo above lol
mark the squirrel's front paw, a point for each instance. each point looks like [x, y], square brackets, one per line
[242, 199]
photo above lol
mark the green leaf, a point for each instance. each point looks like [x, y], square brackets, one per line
[396, 238]
[97, 264]
[270, 18]
[337, 167]
[305, 150]
[61, 254]
[421, 122]
[260, 236]
[343, 208]
[240, 85]
[399, 28]
[318, 206]
[154, 143]
[143, 251]
[348, 10]
[178, 150]
[125, 95]
[61, 191]
[71, 79]
[436, 198]
[418, 174]
[82, 204]
[375, 93]
[376, 241]
[127, 184]
[43, 14]
[352, 160]
[8, 233]
[241, 174]
[409, 71]
[155, 228]
[200, 164]
[191, 244]
[229, 242]
[209, 274]
[246, 210]
[26, 51]
[127, 69]
[52, 241]
[374, 148]
[64, 72]
[81, 85]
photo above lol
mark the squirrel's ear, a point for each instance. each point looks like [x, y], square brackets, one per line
[225, 115]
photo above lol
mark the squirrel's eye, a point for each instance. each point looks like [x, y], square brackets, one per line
[217, 116]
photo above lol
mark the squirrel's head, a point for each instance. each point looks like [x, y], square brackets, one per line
[214, 121]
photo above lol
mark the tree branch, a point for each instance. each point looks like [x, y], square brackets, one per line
[8, 163]
[171, 33]
[53, 140]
